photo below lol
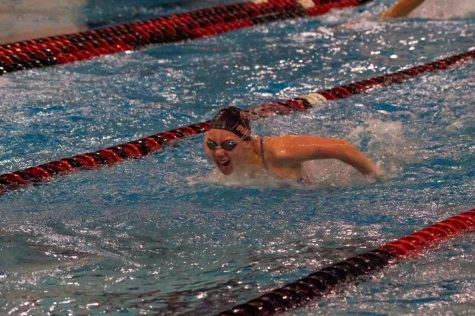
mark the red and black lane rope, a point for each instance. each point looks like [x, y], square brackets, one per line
[324, 281]
[100, 158]
[147, 145]
[73, 47]
[345, 91]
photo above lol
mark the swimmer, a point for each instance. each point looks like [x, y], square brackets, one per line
[232, 148]
[401, 8]
[433, 9]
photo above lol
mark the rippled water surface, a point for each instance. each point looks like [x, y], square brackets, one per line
[159, 235]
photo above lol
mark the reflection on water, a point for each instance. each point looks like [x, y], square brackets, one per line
[28, 19]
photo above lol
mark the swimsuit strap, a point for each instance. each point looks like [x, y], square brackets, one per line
[266, 165]
[264, 161]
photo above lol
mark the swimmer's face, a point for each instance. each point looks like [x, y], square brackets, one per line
[226, 160]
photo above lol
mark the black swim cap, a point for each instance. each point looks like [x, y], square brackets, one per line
[234, 120]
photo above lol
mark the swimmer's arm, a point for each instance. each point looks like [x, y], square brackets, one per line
[297, 149]
[401, 8]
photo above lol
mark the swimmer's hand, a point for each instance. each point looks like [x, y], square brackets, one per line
[375, 172]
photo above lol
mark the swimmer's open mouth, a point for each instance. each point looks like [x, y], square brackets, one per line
[223, 163]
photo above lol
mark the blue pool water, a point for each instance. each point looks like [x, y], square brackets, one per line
[160, 235]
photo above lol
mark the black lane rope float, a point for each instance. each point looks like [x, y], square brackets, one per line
[146, 145]
[327, 280]
[73, 47]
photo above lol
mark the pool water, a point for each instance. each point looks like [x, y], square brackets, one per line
[162, 235]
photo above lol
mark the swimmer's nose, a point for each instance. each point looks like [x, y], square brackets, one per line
[219, 152]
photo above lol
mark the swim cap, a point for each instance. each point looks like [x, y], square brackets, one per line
[234, 120]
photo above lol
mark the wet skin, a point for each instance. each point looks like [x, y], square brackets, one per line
[245, 159]
[226, 161]
[284, 154]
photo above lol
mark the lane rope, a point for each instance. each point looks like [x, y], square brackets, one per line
[329, 279]
[147, 145]
[68, 48]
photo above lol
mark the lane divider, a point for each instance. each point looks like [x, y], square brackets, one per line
[147, 145]
[68, 48]
[94, 160]
[329, 279]
[318, 98]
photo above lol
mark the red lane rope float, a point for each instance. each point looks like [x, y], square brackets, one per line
[317, 98]
[93, 160]
[73, 47]
[146, 145]
[324, 281]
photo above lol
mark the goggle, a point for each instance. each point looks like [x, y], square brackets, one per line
[227, 145]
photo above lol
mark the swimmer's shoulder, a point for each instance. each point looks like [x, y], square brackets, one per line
[281, 148]
[292, 141]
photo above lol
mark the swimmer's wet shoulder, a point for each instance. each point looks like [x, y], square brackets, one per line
[274, 155]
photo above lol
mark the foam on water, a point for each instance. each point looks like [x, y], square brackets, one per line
[440, 9]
